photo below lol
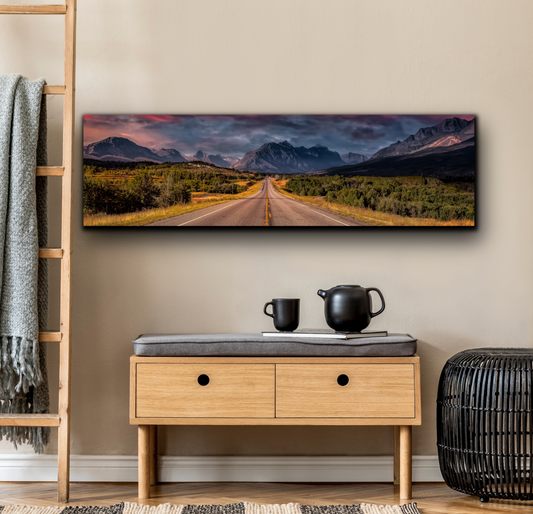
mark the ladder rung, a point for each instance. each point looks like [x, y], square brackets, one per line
[33, 9]
[50, 253]
[50, 171]
[54, 90]
[50, 337]
[29, 420]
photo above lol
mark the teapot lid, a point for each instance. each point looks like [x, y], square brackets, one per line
[357, 285]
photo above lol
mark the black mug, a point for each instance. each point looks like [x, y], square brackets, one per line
[285, 313]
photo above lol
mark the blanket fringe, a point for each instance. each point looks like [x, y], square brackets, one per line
[38, 437]
[19, 365]
[20, 374]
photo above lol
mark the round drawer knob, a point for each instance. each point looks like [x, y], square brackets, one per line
[203, 380]
[343, 380]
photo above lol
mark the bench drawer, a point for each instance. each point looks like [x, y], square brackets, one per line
[371, 391]
[232, 391]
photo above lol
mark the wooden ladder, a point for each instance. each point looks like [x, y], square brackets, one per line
[62, 419]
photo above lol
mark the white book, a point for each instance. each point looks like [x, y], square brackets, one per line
[326, 334]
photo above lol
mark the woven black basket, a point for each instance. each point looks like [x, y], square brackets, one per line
[485, 423]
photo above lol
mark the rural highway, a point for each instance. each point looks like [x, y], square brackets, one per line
[265, 208]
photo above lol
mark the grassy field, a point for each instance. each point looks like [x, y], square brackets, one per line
[126, 194]
[368, 215]
[200, 200]
[140, 193]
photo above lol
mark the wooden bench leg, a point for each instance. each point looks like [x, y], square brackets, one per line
[144, 462]
[405, 463]
[396, 455]
[153, 454]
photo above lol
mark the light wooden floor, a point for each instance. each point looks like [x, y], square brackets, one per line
[431, 498]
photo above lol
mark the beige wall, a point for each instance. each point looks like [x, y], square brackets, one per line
[452, 290]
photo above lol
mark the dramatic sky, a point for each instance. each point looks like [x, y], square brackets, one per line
[234, 135]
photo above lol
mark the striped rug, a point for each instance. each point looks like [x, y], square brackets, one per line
[231, 508]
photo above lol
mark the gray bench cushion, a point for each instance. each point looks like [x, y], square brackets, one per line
[256, 345]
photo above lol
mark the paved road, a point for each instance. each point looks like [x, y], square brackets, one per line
[265, 208]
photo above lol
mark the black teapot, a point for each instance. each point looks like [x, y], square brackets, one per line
[349, 308]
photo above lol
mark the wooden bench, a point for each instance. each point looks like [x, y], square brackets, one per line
[329, 391]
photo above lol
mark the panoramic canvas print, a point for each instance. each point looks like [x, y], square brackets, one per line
[279, 170]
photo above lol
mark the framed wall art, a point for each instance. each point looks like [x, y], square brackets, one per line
[269, 171]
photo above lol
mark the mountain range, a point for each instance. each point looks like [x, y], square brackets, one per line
[269, 158]
[125, 150]
[446, 133]
[445, 149]
[285, 158]
[353, 158]
[217, 159]
[169, 154]
[122, 149]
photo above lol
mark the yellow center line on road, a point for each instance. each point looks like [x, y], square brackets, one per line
[266, 210]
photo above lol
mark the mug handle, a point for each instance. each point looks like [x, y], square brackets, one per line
[265, 309]
[374, 314]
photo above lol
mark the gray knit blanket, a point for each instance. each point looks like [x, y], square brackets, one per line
[23, 277]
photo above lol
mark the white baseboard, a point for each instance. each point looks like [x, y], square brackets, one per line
[123, 468]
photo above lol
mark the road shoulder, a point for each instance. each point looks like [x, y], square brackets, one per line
[321, 206]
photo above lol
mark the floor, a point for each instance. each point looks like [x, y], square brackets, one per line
[431, 498]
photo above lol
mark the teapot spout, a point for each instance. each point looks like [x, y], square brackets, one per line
[322, 293]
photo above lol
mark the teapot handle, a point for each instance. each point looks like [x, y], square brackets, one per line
[374, 314]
